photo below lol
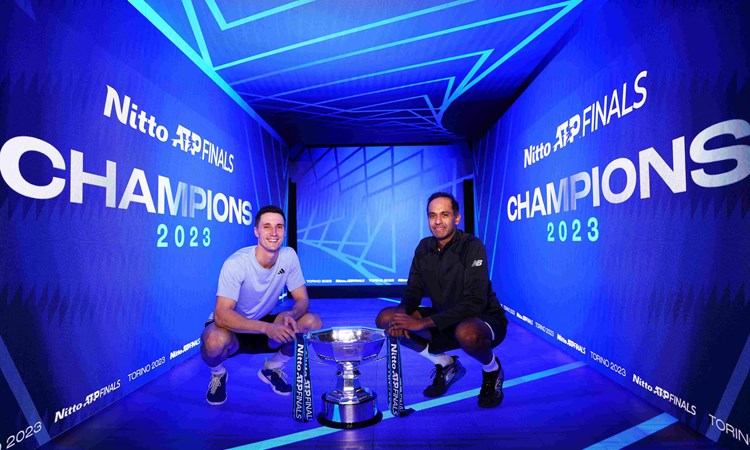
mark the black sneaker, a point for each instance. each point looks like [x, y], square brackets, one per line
[277, 379]
[491, 394]
[217, 389]
[444, 377]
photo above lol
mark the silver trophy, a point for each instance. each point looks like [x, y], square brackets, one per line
[349, 405]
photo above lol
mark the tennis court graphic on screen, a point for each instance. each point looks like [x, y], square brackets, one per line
[361, 210]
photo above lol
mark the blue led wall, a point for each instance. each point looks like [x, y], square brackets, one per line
[128, 176]
[614, 199]
[361, 211]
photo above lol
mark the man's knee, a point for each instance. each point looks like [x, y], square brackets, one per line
[309, 322]
[472, 333]
[385, 316]
[215, 340]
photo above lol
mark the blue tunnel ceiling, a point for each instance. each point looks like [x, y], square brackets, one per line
[369, 71]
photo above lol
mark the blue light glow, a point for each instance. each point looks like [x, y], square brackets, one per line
[322, 431]
[634, 434]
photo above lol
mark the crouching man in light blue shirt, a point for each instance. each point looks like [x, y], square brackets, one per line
[250, 283]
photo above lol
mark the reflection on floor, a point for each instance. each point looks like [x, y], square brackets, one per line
[552, 401]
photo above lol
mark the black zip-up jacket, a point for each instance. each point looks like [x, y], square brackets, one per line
[456, 279]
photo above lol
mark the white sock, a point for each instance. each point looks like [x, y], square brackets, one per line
[218, 370]
[441, 358]
[277, 361]
[491, 367]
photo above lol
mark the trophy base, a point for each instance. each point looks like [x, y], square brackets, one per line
[347, 416]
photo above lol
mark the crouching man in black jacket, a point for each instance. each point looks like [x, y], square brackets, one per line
[451, 268]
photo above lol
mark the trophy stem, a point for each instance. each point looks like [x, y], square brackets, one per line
[347, 382]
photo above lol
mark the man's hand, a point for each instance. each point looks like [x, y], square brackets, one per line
[397, 332]
[287, 319]
[283, 328]
[404, 323]
[279, 333]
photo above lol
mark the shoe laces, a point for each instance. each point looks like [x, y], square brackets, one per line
[279, 372]
[490, 381]
[438, 374]
[215, 383]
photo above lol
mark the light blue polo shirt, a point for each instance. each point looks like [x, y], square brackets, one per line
[255, 288]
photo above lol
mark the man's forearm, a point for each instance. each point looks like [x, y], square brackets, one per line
[427, 322]
[300, 308]
[233, 321]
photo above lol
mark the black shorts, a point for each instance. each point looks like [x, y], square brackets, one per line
[253, 343]
[444, 340]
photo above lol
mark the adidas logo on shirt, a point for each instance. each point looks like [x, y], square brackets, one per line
[280, 272]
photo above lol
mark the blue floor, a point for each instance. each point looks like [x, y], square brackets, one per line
[551, 401]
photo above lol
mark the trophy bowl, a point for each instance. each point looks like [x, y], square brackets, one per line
[349, 405]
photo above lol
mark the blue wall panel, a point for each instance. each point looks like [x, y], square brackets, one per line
[614, 200]
[103, 284]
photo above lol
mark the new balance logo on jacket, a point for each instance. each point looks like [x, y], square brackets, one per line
[476, 263]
